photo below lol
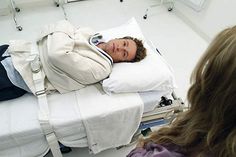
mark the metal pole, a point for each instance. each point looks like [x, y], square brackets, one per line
[14, 9]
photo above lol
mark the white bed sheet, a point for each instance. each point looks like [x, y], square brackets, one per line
[20, 132]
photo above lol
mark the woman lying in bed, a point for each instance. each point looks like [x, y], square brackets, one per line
[70, 58]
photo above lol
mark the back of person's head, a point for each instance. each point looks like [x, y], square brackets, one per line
[213, 93]
[141, 50]
[209, 127]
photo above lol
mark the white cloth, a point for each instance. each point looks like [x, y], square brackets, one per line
[110, 120]
[20, 132]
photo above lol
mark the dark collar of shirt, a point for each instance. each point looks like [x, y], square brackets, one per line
[97, 39]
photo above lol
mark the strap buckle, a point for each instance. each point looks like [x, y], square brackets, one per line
[35, 63]
[40, 92]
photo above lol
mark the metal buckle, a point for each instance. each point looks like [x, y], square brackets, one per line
[41, 92]
[35, 64]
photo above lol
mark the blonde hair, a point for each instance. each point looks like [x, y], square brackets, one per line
[209, 127]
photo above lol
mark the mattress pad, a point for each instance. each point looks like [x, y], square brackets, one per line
[20, 132]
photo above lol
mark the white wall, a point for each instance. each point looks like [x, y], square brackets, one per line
[4, 7]
[3, 4]
[214, 17]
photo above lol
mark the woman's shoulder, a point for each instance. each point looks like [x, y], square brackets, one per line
[155, 150]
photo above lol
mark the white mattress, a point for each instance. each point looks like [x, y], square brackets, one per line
[21, 133]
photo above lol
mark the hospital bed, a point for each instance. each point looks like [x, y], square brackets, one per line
[100, 116]
[21, 134]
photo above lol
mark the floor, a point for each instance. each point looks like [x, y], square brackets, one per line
[178, 43]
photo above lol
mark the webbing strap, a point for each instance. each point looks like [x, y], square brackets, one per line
[44, 112]
[46, 126]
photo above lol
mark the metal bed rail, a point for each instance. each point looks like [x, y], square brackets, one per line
[162, 115]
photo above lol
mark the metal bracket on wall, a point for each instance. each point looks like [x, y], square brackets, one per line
[170, 8]
[14, 10]
[60, 3]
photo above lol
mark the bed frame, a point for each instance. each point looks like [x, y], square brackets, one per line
[162, 115]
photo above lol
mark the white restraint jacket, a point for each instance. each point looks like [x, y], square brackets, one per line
[69, 59]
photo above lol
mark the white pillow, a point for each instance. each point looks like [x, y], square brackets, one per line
[130, 28]
[150, 74]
